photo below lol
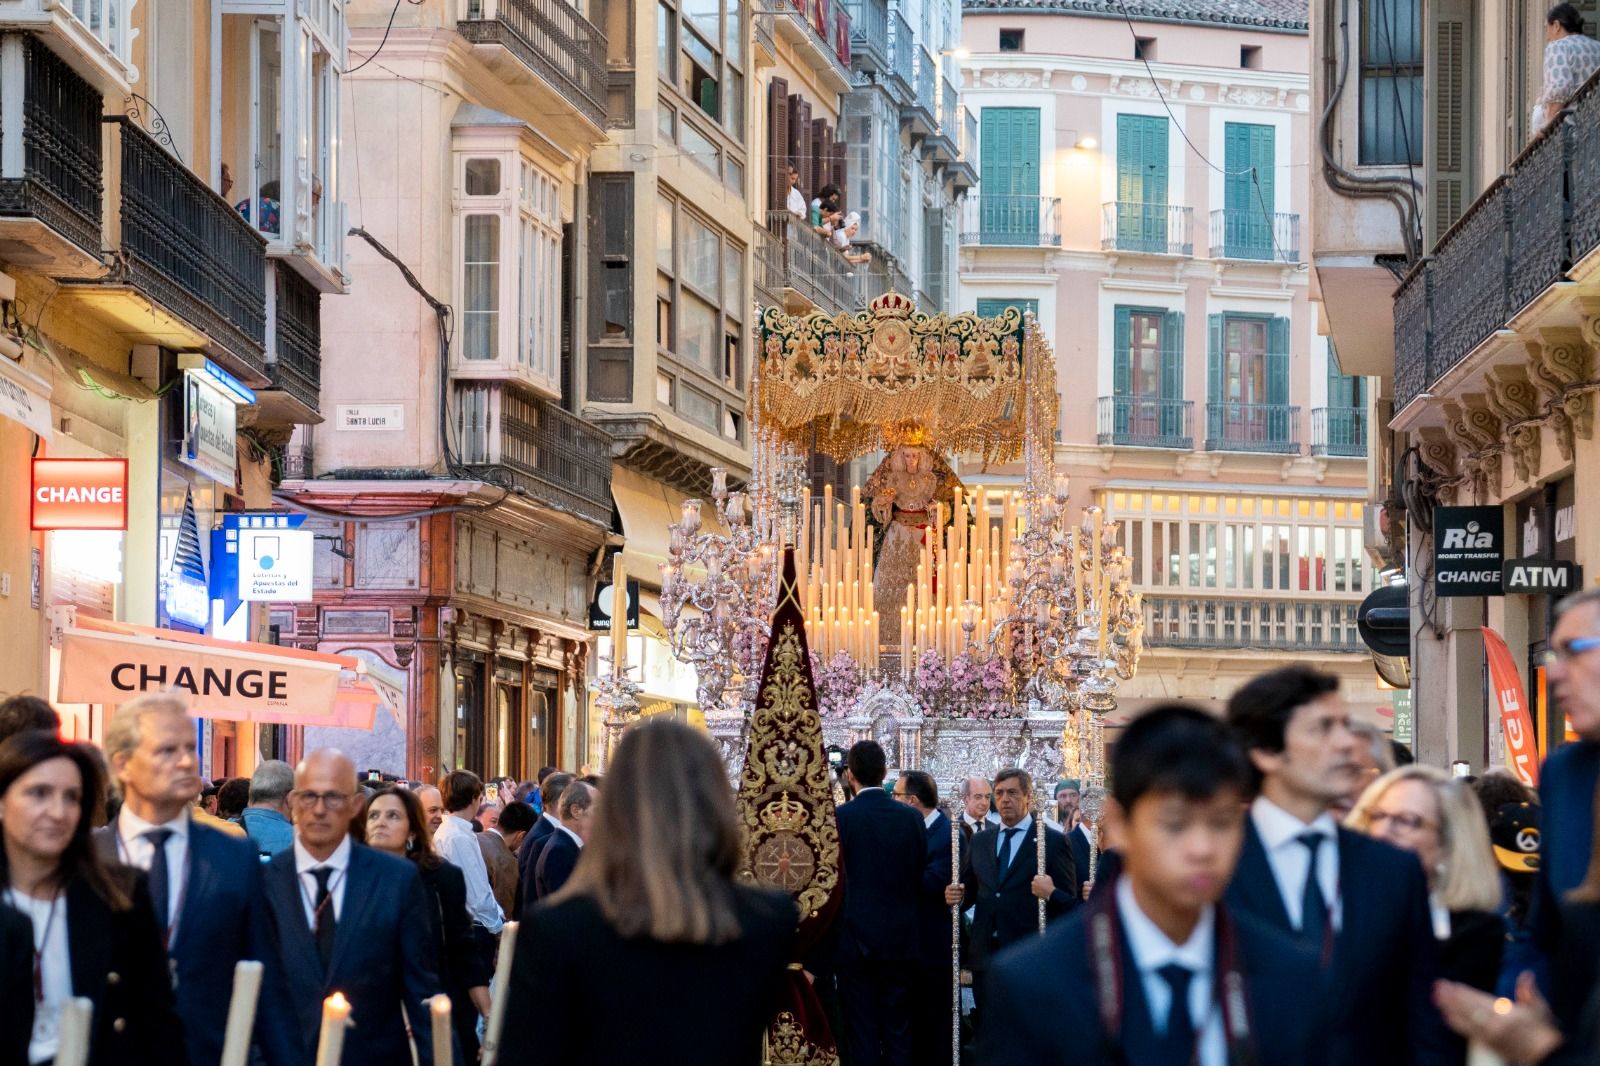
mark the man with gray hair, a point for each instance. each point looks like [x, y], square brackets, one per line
[205, 885]
[266, 820]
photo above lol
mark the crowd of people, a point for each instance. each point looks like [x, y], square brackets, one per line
[1277, 884]
[825, 214]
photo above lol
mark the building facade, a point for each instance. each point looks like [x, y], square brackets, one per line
[1142, 185]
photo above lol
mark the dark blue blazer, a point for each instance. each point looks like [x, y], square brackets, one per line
[883, 847]
[1566, 794]
[1040, 1006]
[557, 859]
[383, 957]
[933, 914]
[224, 919]
[528, 860]
[1078, 841]
[16, 984]
[1385, 958]
[1005, 909]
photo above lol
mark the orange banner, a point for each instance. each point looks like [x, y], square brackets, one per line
[1522, 753]
[230, 682]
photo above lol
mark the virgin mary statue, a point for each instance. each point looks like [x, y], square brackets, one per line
[903, 491]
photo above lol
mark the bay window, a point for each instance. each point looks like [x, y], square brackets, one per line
[701, 45]
[508, 256]
[701, 318]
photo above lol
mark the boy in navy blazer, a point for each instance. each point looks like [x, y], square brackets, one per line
[1359, 904]
[1158, 971]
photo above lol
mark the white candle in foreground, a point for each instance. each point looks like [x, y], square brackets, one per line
[501, 994]
[73, 1032]
[335, 1017]
[439, 1008]
[241, 1013]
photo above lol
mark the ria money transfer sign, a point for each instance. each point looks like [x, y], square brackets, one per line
[1469, 550]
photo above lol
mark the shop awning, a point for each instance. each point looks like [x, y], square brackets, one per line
[238, 681]
[647, 508]
[24, 397]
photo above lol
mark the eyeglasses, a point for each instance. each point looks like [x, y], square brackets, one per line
[334, 801]
[1562, 652]
[1404, 819]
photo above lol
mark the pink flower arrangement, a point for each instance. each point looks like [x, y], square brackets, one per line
[838, 684]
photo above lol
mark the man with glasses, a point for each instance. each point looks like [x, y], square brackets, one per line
[350, 919]
[1572, 771]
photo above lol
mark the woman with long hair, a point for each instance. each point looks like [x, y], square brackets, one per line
[652, 917]
[94, 927]
[1424, 810]
[392, 820]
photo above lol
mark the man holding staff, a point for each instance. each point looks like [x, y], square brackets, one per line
[932, 1000]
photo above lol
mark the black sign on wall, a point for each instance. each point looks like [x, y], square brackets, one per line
[1469, 550]
[1548, 577]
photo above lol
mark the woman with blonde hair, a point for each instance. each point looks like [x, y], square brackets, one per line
[652, 917]
[1423, 810]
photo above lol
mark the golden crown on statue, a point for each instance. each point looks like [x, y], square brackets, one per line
[786, 815]
[892, 305]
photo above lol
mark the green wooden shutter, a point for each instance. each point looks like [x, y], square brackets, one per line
[1008, 161]
[1279, 417]
[1121, 368]
[993, 308]
[1142, 183]
[1249, 190]
[1172, 374]
[1216, 394]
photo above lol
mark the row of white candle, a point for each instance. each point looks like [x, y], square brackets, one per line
[835, 552]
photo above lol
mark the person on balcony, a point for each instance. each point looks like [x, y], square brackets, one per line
[796, 203]
[1570, 59]
[844, 233]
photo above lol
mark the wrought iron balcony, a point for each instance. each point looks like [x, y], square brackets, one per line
[552, 455]
[1161, 229]
[769, 266]
[1146, 422]
[869, 33]
[1014, 221]
[1253, 234]
[1250, 624]
[188, 250]
[551, 39]
[813, 268]
[1339, 431]
[296, 364]
[51, 163]
[824, 28]
[1253, 427]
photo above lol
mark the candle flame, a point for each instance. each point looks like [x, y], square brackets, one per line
[338, 1002]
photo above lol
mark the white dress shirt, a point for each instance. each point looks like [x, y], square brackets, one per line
[136, 850]
[976, 826]
[928, 819]
[553, 819]
[1290, 860]
[1017, 840]
[797, 203]
[1152, 949]
[576, 839]
[305, 862]
[55, 969]
[455, 842]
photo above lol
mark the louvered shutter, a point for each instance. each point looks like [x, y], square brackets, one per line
[1172, 374]
[1216, 388]
[777, 144]
[1447, 159]
[1121, 368]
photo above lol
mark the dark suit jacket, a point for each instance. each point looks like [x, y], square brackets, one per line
[1040, 1006]
[383, 957]
[1006, 910]
[528, 862]
[933, 913]
[1566, 796]
[119, 966]
[502, 868]
[224, 919]
[1472, 954]
[1385, 958]
[557, 859]
[883, 846]
[16, 984]
[461, 964]
[567, 953]
[1078, 841]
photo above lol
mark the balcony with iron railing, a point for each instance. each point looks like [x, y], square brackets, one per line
[1250, 234]
[1253, 427]
[1224, 620]
[869, 34]
[51, 162]
[813, 269]
[1146, 422]
[943, 145]
[549, 38]
[1156, 229]
[1519, 238]
[820, 32]
[1339, 431]
[1011, 221]
[552, 456]
[294, 362]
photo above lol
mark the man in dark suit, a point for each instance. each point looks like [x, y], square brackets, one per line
[351, 919]
[205, 885]
[1001, 879]
[559, 856]
[881, 847]
[931, 999]
[550, 790]
[977, 807]
[1359, 904]
[1158, 971]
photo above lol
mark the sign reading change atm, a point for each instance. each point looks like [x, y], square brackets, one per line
[80, 494]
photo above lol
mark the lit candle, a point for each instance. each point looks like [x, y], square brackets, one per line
[330, 1042]
[439, 1009]
[72, 1032]
[502, 992]
[241, 1013]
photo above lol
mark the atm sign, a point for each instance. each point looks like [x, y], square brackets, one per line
[80, 494]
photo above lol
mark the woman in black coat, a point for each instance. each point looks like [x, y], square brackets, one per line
[652, 918]
[16, 984]
[392, 820]
[94, 930]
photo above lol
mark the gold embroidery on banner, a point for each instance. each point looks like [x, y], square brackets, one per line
[787, 1045]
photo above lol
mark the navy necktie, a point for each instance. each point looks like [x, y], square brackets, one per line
[1313, 905]
[326, 924]
[1178, 1040]
[1006, 837]
[160, 876]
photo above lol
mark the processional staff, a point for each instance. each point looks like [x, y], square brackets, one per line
[955, 936]
[1038, 840]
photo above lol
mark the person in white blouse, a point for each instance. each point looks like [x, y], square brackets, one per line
[1570, 60]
